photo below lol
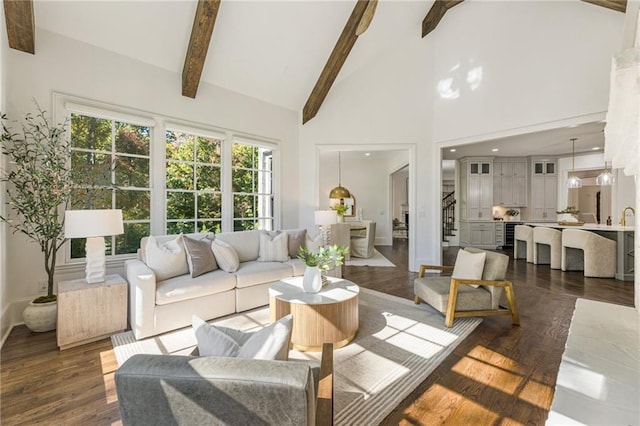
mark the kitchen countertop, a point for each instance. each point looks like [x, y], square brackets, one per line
[586, 226]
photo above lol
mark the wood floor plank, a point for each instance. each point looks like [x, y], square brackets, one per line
[500, 375]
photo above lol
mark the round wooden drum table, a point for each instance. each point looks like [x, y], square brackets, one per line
[330, 316]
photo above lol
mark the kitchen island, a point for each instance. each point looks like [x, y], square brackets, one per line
[623, 235]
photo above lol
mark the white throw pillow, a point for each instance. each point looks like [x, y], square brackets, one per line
[273, 247]
[225, 255]
[469, 266]
[168, 259]
[272, 342]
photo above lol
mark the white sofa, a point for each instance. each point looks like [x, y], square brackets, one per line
[159, 306]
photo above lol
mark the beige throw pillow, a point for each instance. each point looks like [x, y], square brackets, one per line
[273, 247]
[469, 266]
[297, 239]
[167, 259]
[225, 255]
[199, 256]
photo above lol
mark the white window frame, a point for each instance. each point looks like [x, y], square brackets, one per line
[64, 105]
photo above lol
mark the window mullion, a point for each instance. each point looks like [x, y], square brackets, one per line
[227, 184]
[158, 179]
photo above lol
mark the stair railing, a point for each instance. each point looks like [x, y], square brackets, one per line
[448, 214]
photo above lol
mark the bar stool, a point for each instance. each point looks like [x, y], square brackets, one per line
[547, 246]
[523, 243]
[589, 252]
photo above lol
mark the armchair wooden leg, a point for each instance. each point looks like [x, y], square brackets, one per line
[451, 304]
[511, 299]
[416, 300]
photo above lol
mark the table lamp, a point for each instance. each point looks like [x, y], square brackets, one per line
[93, 225]
[324, 219]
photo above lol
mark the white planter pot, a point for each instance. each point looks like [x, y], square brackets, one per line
[312, 280]
[40, 317]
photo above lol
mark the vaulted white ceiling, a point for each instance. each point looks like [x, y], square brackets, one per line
[269, 50]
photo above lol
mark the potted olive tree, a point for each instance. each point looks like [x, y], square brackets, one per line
[37, 182]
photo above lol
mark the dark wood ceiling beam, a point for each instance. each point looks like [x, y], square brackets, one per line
[617, 5]
[18, 15]
[201, 32]
[435, 14]
[337, 58]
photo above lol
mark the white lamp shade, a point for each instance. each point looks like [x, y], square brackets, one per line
[326, 217]
[92, 223]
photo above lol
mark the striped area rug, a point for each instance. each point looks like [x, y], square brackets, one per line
[398, 345]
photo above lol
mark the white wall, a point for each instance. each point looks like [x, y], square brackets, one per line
[541, 62]
[75, 68]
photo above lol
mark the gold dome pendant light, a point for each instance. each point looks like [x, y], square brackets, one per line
[339, 191]
[573, 181]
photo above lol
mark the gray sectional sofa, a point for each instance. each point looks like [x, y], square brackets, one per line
[157, 306]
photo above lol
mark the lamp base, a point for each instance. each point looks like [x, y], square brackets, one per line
[95, 269]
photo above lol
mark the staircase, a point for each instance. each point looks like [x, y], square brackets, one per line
[448, 217]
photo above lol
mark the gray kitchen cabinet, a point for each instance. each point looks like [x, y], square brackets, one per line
[499, 234]
[510, 182]
[478, 234]
[544, 188]
[476, 187]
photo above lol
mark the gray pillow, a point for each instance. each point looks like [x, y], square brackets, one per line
[199, 256]
[272, 342]
[297, 239]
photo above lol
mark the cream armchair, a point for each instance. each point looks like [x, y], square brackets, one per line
[362, 243]
[457, 298]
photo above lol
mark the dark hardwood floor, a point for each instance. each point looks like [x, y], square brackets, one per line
[500, 374]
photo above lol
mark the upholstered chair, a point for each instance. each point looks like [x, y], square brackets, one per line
[523, 243]
[341, 236]
[589, 252]
[460, 297]
[547, 246]
[362, 245]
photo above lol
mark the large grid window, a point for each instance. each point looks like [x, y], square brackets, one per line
[110, 163]
[252, 186]
[193, 183]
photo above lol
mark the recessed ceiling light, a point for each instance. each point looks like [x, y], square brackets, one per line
[494, 150]
[595, 148]
[367, 154]
[452, 150]
[571, 126]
